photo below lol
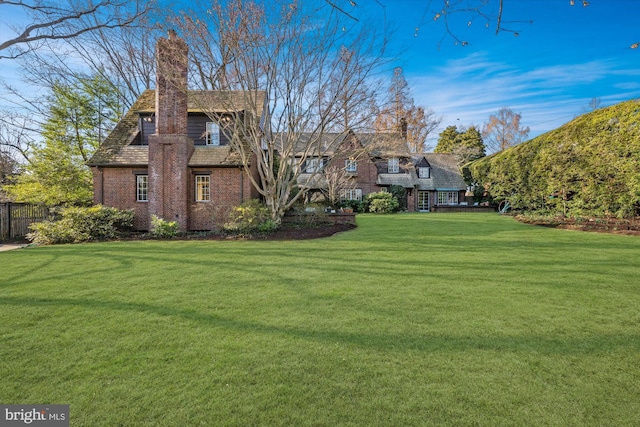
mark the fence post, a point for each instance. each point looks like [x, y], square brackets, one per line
[9, 215]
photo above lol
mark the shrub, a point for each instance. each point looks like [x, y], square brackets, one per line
[400, 193]
[310, 215]
[78, 224]
[250, 217]
[383, 202]
[356, 205]
[162, 228]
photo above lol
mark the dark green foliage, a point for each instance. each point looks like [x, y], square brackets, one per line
[78, 224]
[447, 140]
[400, 193]
[467, 145]
[588, 167]
[356, 205]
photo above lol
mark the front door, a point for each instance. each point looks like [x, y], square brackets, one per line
[423, 201]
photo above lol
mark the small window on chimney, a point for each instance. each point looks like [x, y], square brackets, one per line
[213, 134]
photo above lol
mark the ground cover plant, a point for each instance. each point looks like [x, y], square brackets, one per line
[410, 319]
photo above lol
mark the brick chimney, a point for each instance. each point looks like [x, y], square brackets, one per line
[170, 148]
[403, 128]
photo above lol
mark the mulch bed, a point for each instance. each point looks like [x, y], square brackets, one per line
[283, 233]
[598, 225]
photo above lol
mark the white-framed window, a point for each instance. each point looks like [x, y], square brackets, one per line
[351, 165]
[203, 188]
[393, 165]
[142, 188]
[351, 194]
[447, 197]
[313, 165]
[424, 172]
[212, 134]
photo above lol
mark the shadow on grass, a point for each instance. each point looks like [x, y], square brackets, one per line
[597, 344]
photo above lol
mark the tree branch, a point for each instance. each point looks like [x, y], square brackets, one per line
[55, 23]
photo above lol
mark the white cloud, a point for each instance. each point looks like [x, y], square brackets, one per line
[468, 90]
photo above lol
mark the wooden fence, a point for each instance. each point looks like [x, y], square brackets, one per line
[15, 219]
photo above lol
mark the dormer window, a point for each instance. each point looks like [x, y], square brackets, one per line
[212, 134]
[351, 165]
[393, 165]
[424, 172]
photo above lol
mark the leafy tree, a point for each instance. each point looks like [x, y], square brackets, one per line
[447, 140]
[504, 130]
[467, 145]
[56, 172]
[399, 114]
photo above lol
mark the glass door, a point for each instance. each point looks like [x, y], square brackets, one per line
[423, 201]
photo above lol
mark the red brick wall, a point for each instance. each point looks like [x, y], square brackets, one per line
[170, 148]
[365, 175]
[116, 187]
[229, 187]
[169, 177]
[171, 85]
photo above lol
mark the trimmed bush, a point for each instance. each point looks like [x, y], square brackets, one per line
[162, 228]
[383, 203]
[250, 217]
[587, 167]
[77, 224]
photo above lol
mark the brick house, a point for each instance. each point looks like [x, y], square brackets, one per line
[168, 156]
[374, 162]
[171, 156]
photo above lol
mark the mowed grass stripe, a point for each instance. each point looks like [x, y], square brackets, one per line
[456, 319]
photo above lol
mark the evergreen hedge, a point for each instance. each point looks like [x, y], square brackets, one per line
[588, 167]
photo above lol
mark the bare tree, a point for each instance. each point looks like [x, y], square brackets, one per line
[454, 15]
[65, 19]
[504, 130]
[122, 58]
[17, 135]
[592, 105]
[285, 65]
[399, 114]
[336, 180]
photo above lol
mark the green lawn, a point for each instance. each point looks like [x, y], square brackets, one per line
[414, 319]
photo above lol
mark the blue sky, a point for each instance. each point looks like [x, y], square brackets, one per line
[549, 72]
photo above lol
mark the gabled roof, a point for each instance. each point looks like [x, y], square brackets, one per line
[116, 150]
[445, 173]
[385, 145]
[406, 180]
[218, 156]
[327, 142]
[125, 132]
